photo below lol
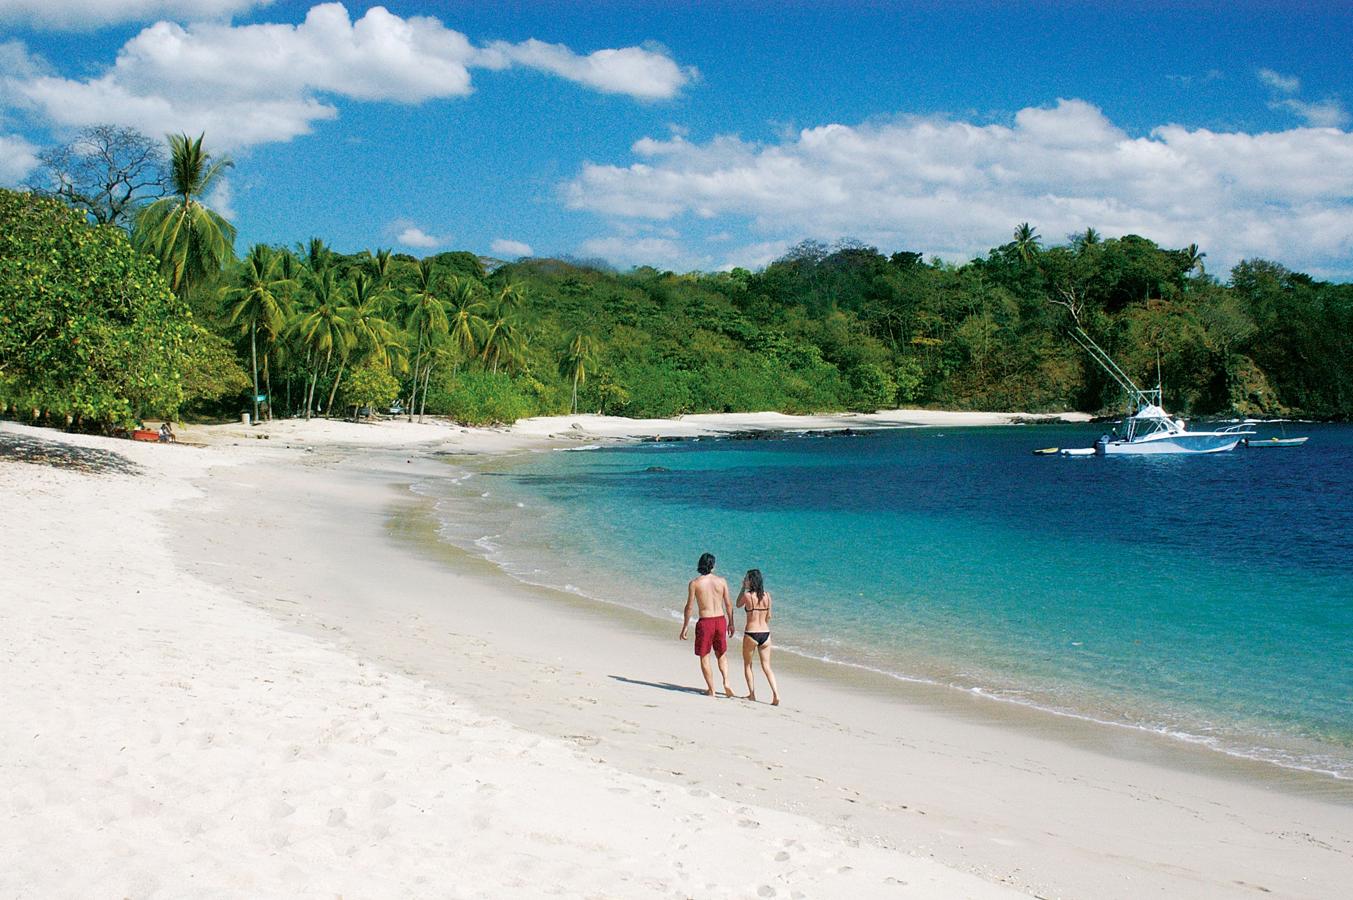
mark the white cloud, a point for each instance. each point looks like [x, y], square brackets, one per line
[626, 250]
[17, 159]
[507, 248]
[1283, 84]
[957, 188]
[755, 256]
[222, 199]
[645, 73]
[252, 84]
[1327, 113]
[86, 15]
[413, 236]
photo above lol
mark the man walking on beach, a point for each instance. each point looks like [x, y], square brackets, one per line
[709, 593]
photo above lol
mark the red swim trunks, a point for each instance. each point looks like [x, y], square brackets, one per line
[711, 632]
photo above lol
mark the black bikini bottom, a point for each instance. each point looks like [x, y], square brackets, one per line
[759, 636]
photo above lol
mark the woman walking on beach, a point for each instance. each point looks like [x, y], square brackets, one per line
[756, 632]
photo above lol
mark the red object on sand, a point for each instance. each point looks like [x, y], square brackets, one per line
[145, 434]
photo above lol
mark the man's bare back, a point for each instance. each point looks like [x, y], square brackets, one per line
[711, 595]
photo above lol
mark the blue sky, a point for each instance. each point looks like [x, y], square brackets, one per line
[705, 135]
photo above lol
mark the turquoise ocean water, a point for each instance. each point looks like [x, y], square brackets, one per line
[1209, 598]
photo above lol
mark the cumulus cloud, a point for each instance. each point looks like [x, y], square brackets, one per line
[507, 248]
[412, 236]
[18, 158]
[628, 250]
[251, 84]
[86, 15]
[956, 188]
[647, 73]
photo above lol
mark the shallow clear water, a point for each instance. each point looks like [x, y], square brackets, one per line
[1206, 597]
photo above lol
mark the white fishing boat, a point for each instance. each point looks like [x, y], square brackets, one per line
[1152, 430]
[1148, 429]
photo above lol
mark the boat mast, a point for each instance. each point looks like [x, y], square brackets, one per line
[1160, 382]
[1136, 395]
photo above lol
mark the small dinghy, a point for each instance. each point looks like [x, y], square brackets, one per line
[1276, 442]
[1079, 451]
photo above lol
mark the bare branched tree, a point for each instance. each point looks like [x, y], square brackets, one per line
[1073, 299]
[107, 170]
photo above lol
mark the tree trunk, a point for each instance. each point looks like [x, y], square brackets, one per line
[314, 381]
[417, 362]
[426, 379]
[328, 355]
[339, 377]
[267, 380]
[307, 389]
[253, 357]
[575, 391]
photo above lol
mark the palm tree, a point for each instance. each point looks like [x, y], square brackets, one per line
[367, 329]
[289, 267]
[318, 256]
[1194, 258]
[465, 316]
[424, 314]
[258, 302]
[380, 266]
[323, 329]
[511, 298]
[1087, 238]
[503, 341]
[579, 355]
[1026, 241]
[191, 241]
[371, 331]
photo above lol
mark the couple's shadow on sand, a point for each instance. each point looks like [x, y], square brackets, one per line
[661, 685]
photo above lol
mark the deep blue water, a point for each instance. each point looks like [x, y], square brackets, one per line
[1206, 597]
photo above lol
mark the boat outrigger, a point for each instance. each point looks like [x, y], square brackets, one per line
[1148, 428]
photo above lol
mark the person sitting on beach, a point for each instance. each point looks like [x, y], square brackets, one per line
[709, 593]
[756, 632]
[166, 434]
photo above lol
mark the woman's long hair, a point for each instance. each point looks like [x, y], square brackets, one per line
[755, 584]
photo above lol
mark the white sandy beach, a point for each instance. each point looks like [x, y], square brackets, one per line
[252, 670]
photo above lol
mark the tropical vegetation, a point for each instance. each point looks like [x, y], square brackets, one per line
[106, 318]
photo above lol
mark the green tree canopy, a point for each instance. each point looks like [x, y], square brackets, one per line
[88, 327]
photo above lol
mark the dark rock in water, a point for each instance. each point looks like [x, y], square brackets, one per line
[657, 469]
